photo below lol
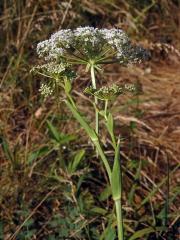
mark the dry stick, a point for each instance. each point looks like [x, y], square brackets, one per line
[162, 114]
[31, 214]
[66, 12]
[21, 44]
[7, 71]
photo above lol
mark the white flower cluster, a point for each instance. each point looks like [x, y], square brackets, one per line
[130, 87]
[52, 67]
[45, 90]
[56, 74]
[89, 43]
[55, 70]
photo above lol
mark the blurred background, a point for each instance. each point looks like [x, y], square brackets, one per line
[39, 140]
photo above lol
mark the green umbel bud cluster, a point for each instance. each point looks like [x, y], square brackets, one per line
[110, 92]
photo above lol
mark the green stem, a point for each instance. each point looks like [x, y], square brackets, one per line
[115, 176]
[91, 134]
[110, 127]
[105, 109]
[119, 217]
[109, 62]
[93, 79]
[116, 185]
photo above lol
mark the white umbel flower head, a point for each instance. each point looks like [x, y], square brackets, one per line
[45, 90]
[88, 43]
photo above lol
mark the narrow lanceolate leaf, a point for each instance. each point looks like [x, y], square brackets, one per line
[38, 153]
[99, 210]
[53, 131]
[83, 123]
[116, 175]
[60, 138]
[141, 233]
[110, 124]
[109, 233]
[110, 128]
[6, 149]
[106, 193]
[77, 159]
[67, 85]
[92, 135]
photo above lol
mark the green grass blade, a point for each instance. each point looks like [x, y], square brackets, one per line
[134, 186]
[6, 149]
[36, 154]
[53, 131]
[141, 233]
[77, 159]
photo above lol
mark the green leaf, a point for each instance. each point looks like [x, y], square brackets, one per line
[145, 231]
[116, 175]
[67, 86]
[134, 186]
[110, 128]
[51, 237]
[133, 125]
[59, 137]
[109, 233]
[78, 157]
[64, 139]
[91, 133]
[83, 123]
[79, 183]
[102, 113]
[99, 210]
[106, 193]
[110, 123]
[53, 131]
[36, 154]
[28, 223]
[6, 149]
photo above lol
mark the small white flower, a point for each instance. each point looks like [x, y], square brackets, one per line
[45, 90]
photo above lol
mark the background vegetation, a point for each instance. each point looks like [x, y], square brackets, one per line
[52, 184]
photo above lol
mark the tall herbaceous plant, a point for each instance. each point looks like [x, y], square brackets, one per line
[93, 48]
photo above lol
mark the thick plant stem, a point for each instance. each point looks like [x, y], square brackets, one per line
[91, 134]
[93, 79]
[115, 176]
[105, 109]
[119, 216]
[116, 185]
